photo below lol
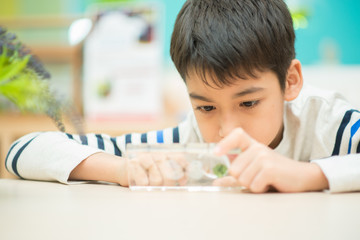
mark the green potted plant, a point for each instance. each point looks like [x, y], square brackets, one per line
[24, 81]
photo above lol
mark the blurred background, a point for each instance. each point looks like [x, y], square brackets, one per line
[133, 86]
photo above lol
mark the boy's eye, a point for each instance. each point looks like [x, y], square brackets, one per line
[249, 104]
[206, 108]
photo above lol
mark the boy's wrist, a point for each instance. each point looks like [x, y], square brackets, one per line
[122, 176]
[115, 169]
[316, 179]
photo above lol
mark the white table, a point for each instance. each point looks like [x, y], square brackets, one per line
[43, 210]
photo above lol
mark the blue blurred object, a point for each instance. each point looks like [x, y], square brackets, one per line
[332, 34]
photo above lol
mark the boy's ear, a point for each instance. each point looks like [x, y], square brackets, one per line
[294, 81]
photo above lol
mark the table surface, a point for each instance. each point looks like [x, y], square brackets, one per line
[45, 210]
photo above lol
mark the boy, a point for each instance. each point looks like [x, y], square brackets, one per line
[237, 59]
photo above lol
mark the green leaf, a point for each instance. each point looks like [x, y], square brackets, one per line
[27, 92]
[3, 57]
[13, 68]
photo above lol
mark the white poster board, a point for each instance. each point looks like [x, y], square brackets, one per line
[123, 63]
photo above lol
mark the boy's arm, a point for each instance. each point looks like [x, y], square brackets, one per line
[57, 156]
[342, 172]
[102, 167]
[342, 169]
[48, 156]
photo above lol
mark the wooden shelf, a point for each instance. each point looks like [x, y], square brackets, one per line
[39, 21]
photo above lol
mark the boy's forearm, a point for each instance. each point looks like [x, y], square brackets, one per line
[102, 167]
[316, 178]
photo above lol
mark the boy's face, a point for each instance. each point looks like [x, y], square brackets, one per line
[255, 104]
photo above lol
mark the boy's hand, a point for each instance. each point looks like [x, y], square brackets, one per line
[147, 169]
[151, 169]
[258, 167]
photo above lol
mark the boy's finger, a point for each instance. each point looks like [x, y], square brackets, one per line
[238, 138]
[137, 174]
[180, 159]
[227, 181]
[155, 178]
[146, 160]
[247, 176]
[170, 170]
[240, 163]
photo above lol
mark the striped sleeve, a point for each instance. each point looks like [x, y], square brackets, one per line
[101, 142]
[342, 169]
[168, 135]
[48, 156]
[51, 156]
[348, 134]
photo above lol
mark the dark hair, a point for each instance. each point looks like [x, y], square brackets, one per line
[233, 38]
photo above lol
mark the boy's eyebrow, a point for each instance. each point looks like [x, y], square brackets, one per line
[248, 91]
[239, 94]
[199, 97]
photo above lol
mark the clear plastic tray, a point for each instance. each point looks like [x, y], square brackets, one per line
[190, 167]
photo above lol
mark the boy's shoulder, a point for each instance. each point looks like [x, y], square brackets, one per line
[312, 121]
[318, 108]
[315, 99]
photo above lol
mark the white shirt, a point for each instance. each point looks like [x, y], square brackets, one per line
[319, 126]
[322, 127]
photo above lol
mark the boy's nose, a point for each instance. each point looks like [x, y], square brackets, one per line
[227, 123]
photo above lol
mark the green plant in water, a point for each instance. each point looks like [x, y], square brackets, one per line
[24, 81]
[220, 170]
